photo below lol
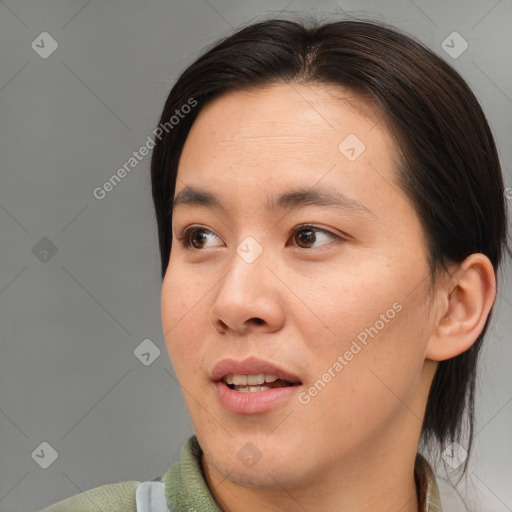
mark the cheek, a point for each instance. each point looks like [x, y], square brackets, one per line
[351, 305]
[371, 390]
[181, 290]
[184, 312]
[374, 347]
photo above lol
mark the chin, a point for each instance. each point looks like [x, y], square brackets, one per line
[274, 472]
[260, 476]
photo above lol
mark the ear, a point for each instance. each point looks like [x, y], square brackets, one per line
[464, 305]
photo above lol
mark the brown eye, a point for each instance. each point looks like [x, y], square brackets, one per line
[195, 238]
[198, 238]
[306, 236]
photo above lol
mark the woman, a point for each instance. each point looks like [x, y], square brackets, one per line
[335, 207]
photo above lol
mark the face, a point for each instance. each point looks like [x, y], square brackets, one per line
[328, 284]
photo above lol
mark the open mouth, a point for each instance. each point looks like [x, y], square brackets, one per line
[255, 383]
[246, 388]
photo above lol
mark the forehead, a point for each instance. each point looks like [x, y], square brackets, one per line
[304, 111]
[287, 131]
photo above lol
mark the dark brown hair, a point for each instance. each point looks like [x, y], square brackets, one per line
[448, 165]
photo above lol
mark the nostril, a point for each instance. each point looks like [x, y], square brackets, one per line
[258, 321]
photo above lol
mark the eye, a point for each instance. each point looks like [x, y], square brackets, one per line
[306, 235]
[194, 237]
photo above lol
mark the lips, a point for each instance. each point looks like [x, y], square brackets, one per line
[251, 366]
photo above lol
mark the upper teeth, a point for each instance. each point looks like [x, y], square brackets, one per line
[251, 380]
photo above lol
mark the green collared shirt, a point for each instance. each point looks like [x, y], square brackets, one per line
[186, 489]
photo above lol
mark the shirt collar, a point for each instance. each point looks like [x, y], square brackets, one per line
[426, 485]
[186, 485]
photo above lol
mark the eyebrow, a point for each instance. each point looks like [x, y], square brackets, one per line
[293, 199]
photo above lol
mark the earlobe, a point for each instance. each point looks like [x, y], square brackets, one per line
[467, 299]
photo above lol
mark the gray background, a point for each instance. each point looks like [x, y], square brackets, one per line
[71, 321]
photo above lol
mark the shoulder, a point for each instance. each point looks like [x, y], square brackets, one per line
[107, 498]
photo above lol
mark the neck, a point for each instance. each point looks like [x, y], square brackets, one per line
[365, 484]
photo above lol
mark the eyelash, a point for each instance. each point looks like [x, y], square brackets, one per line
[184, 237]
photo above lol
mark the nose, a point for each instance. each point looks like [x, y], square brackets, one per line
[248, 299]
